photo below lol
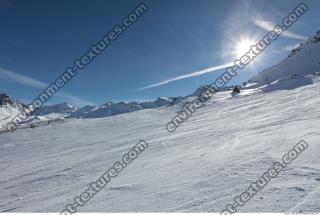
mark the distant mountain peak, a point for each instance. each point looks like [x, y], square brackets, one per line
[6, 100]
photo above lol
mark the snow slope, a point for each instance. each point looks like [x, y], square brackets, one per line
[301, 62]
[199, 168]
[9, 108]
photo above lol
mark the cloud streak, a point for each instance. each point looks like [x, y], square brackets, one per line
[21, 79]
[189, 75]
[268, 26]
[291, 47]
[31, 82]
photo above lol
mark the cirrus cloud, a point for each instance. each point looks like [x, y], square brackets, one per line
[268, 26]
[31, 82]
[189, 75]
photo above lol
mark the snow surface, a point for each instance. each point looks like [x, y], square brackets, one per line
[7, 113]
[9, 108]
[200, 167]
[302, 61]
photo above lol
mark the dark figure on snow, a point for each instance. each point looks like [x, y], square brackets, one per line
[236, 90]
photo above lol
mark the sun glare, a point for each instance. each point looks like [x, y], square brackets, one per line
[243, 46]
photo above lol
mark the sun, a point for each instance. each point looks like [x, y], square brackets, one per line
[242, 47]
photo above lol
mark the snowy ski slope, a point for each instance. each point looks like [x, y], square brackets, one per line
[200, 167]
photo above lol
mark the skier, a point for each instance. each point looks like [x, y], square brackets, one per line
[236, 90]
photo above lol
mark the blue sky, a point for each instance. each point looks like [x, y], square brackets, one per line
[38, 39]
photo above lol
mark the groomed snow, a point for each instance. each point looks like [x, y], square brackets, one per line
[200, 167]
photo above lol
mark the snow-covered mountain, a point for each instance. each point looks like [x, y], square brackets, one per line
[9, 108]
[7, 101]
[293, 71]
[64, 109]
[108, 109]
[112, 109]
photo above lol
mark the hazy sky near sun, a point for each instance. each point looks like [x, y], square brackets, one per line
[169, 49]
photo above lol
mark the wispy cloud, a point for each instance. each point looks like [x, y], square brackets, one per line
[31, 82]
[291, 47]
[268, 26]
[24, 80]
[189, 75]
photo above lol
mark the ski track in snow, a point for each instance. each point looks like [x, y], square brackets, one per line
[200, 167]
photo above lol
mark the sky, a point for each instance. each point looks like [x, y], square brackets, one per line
[173, 49]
